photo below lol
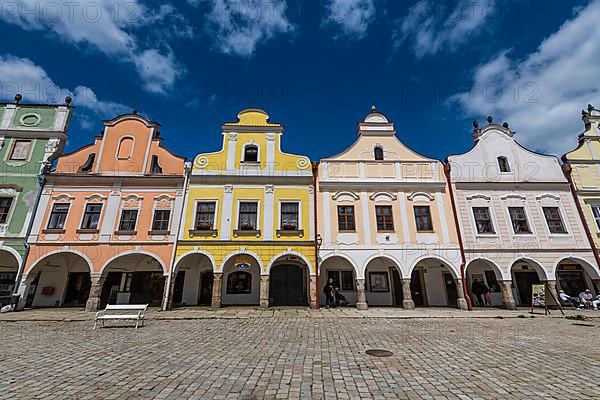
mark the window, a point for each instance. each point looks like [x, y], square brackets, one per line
[161, 220]
[346, 218]
[289, 216]
[58, 216]
[251, 153]
[20, 150]
[91, 217]
[342, 279]
[503, 164]
[128, 220]
[125, 148]
[239, 282]
[423, 219]
[89, 163]
[385, 219]
[596, 213]
[5, 203]
[205, 216]
[378, 153]
[155, 167]
[248, 216]
[555, 224]
[519, 219]
[483, 220]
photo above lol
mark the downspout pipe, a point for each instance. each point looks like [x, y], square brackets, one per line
[167, 301]
[567, 171]
[447, 170]
[315, 171]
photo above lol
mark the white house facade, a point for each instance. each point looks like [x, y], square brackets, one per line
[386, 225]
[518, 220]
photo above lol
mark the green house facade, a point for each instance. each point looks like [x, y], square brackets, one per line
[31, 137]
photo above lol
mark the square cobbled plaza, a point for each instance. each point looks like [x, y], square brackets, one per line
[300, 354]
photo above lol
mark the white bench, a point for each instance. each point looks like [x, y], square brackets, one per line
[135, 312]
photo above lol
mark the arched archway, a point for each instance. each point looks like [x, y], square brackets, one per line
[58, 279]
[133, 278]
[383, 282]
[526, 272]
[438, 282]
[9, 268]
[343, 273]
[480, 274]
[194, 275]
[575, 274]
[289, 280]
[241, 280]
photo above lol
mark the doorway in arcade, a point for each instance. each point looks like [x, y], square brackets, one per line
[288, 282]
[133, 279]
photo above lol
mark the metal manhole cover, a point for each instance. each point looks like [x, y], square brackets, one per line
[379, 353]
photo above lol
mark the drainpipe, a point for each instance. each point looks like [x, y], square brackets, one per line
[187, 168]
[41, 179]
[315, 171]
[447, 169]
[567, 171]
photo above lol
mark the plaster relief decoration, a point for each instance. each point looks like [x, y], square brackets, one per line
[95, 198]
[387, 238]
[427, 238]
[420, 197]
[30, 120]
[132, 201]
[383, 196]
[163, 202]
[303, 163]
[347, 238]
[201, 162]
[345, 196]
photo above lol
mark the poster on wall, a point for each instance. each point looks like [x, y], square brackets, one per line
[538, 295]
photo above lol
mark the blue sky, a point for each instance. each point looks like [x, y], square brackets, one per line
[315, 66]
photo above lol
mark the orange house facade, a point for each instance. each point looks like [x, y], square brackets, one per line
[107, 222]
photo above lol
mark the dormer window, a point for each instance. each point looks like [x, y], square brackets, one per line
[125, 149]
[89, 163]
[503, 164]
[251, 153]
[378, 153]
[155, 167]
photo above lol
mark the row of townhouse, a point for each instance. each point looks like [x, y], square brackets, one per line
[123, 220]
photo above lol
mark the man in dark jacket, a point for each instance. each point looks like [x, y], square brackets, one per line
[476, 289]
[329, 291]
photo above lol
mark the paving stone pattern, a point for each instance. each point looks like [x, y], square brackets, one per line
[301, 358]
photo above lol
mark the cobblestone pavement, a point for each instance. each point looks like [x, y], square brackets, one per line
[290, 357]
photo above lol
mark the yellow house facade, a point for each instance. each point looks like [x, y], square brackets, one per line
[583, 167]
[248, 233]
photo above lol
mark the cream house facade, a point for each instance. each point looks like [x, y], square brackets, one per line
[386, 224]
[518, 220]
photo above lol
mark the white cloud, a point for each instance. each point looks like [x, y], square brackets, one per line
[239, 26]
[21, 75]
[157, 71]
[542, 94]
[105, 25]
[352, 16]
[431, 26]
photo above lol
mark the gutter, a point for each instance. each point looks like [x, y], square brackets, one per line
[315, 171]
[567, 171]
[447, 169]
[166, 304]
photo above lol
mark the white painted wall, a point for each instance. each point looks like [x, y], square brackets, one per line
[51, 277]
[253, 298]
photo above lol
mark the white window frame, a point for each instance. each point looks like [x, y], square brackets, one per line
[258, 213]
[597, 219]
[243, 157]
[299, 202]
[156, 200]
[50, 213]
[85, 204]
[492, 220]
[196, 203]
